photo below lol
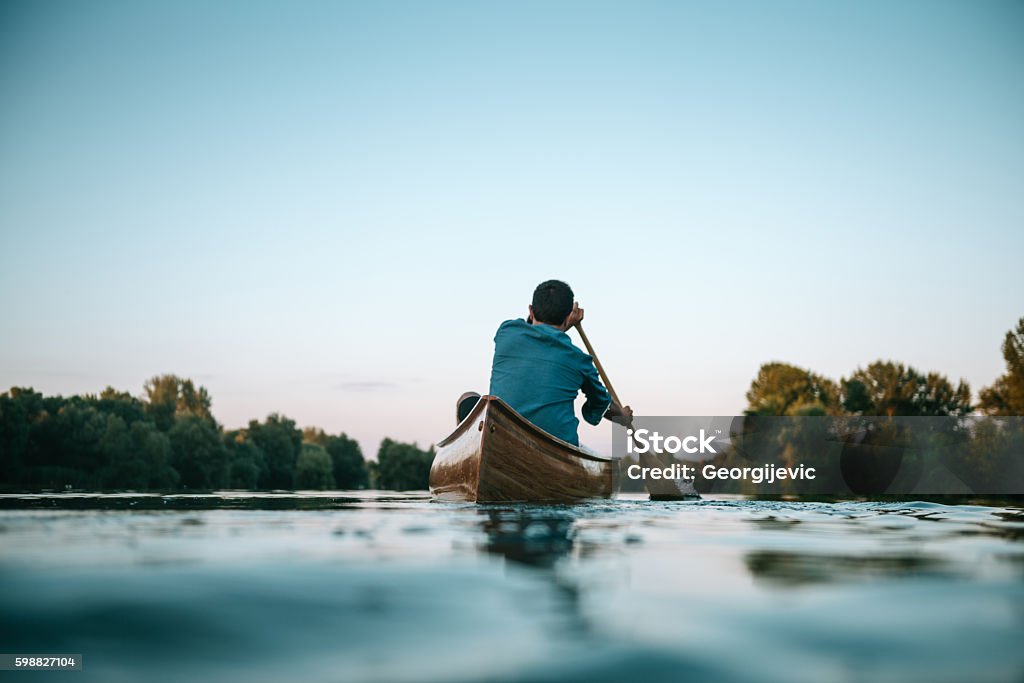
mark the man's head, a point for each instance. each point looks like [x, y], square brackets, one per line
[552, 302]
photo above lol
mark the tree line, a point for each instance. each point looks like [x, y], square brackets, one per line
[878, 453]
[886, 388]
[169, 440]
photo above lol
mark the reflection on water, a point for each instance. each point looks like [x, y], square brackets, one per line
[535, 538]
[365, 586]
[795, 568]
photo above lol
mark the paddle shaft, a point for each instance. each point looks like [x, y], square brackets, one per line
[597, 363]
[664, 489]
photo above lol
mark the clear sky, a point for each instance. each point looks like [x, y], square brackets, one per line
[326, 209]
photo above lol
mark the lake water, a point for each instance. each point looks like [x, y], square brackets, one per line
[374, 586]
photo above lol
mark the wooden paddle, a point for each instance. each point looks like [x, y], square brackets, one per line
[660, 489]
[600, 368]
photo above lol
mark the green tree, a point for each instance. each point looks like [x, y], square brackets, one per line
[783, 389]
[991, 460]
[1006, 395]
[20, 409]
[246, 462]
[198, 453]
[68, 447]
[137, 457]
[313, 468]
[936, 395]
[116, 441]
[350, 470]
[280, 442]
[169, 397]
[403, 466]
[889, 388]
[347, 462]
[120, 403]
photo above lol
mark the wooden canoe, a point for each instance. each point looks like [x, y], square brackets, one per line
[497, 455]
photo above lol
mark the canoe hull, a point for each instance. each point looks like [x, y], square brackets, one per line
[496, 455]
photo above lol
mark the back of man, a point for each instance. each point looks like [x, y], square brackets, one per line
[539, 372]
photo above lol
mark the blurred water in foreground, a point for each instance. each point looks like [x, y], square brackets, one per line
[371, 586]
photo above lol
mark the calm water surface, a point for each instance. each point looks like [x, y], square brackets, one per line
[370, 586]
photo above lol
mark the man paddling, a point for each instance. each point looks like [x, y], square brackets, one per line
[539, 372]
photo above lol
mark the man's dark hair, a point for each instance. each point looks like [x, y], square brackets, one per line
[552, 302]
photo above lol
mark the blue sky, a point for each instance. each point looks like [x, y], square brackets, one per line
[326, 209]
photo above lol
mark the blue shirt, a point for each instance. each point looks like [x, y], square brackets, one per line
[539, 372]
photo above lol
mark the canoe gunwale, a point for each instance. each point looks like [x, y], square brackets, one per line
[527, 426]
